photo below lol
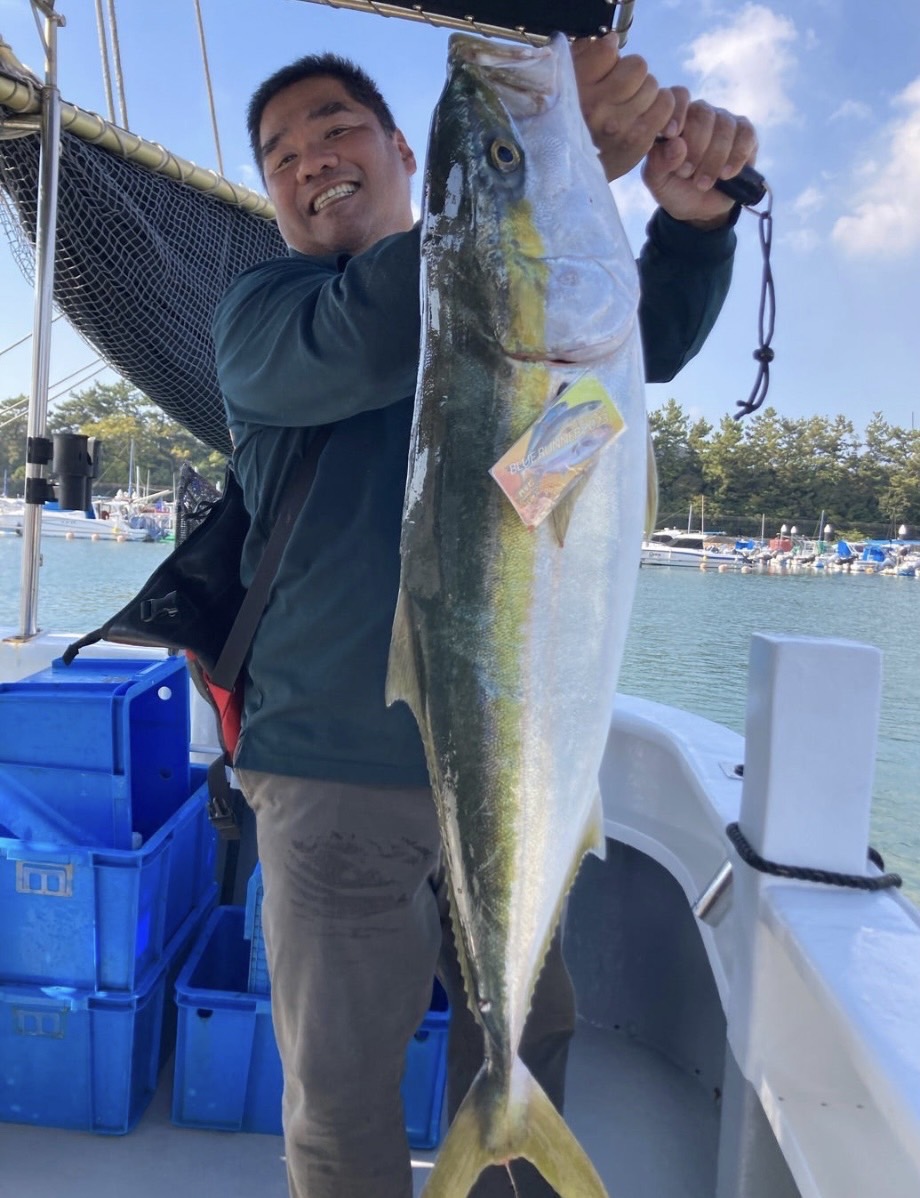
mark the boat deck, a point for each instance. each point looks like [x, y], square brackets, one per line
[618, 1090]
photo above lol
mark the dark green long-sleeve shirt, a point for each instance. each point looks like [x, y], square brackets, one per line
[302, 342]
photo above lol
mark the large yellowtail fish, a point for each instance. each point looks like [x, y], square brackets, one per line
[520, 549]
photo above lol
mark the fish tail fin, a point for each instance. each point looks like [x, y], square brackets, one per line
[493, 1128]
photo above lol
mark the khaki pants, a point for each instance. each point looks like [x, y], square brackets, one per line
[356, 925]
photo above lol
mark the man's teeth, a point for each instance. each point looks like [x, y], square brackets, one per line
[334, 193]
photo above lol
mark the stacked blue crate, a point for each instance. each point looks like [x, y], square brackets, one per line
[252, 931]
[81, 744]
[228, 1072]
[107, 868]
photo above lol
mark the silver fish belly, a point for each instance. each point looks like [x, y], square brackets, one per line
[507, 638]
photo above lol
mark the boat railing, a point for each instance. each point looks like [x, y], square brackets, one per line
[818, 982]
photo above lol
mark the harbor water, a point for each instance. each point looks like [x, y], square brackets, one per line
[688, 646]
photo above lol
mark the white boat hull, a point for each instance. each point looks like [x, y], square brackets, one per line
[663, 555]
[73, 526]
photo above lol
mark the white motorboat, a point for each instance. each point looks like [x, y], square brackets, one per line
[78, 526]
[673, 547]
[743, 1034]
[11, 511]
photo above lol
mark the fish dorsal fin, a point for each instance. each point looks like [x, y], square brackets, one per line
[561, 515]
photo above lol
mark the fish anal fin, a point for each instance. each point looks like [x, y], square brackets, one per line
[495, 1126]
[595, 833]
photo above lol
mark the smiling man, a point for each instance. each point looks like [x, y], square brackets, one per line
[354, 908]
[336, 167]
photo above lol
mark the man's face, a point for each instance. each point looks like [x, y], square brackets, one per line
[338, 182]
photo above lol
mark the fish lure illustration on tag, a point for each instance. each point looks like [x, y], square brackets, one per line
[559, 449]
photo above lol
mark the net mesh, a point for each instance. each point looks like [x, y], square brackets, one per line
[141, 263]
[143, 257]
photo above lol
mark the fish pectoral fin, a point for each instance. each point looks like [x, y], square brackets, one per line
[402, 667]
[561, 515]
[494, 1128]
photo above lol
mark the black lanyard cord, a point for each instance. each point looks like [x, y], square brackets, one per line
[767, 317]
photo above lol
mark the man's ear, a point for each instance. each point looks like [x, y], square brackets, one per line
[405, 152]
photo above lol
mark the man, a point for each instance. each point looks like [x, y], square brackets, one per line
[354, 909]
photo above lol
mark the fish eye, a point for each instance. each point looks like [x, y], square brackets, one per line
[504, 155]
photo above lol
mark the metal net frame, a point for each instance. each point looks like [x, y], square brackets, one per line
[146, 246]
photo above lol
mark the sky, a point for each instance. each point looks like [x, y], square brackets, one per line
[833, 88]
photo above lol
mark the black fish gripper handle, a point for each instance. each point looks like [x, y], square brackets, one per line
[747, 188]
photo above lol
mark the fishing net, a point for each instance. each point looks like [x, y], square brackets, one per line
[147, 243]
[142, 258]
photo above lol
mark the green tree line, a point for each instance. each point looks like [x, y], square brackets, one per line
[787, 471]
[768, 467]
[119, 415]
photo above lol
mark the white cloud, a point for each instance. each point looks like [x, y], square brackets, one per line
[883, 217]
[744, 64]
[635, 205]
[802, 241]
[633, 198]
[852, 110]
[807, 202]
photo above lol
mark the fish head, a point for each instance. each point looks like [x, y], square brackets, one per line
[517, 200]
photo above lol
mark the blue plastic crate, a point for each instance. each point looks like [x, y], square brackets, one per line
[259, 982]
[228, 1072]
[89, 1061]
[425, 1078]
[80, 745]
[100, 919]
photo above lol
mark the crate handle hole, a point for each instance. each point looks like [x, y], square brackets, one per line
[203, 1013]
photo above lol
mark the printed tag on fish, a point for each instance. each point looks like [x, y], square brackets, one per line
[558, 449]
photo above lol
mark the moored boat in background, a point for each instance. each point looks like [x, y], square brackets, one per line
[671, 547]
[75, 525]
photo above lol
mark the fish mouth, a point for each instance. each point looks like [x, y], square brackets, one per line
[526, 76]
[468, 47]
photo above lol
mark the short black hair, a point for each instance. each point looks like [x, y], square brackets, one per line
[359, 85]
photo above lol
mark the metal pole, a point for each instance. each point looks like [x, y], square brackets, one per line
[45, 240]
[207, 79]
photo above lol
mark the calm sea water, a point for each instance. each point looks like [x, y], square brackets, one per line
[688, 646]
